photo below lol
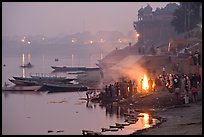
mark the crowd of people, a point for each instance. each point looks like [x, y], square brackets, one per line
[184, 86]
[195, 57]
[123, 88]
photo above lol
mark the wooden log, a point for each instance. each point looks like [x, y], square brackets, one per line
[89, 132]
[122, 124]
[109, 129]
[114, 126]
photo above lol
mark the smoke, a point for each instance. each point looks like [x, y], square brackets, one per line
[130, 67]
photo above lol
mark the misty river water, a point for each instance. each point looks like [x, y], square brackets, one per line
[35, 113]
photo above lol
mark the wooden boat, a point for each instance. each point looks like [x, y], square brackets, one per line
[22, 82]
[22, 88]
[42, 78]
[35, 83]
[64, 87]
[65, 68]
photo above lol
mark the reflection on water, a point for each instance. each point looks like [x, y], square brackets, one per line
[144, 119]
[32, 113]
[56, 112]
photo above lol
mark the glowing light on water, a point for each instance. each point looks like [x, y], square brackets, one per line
[23, 59]
[23, 72]
[29, 56]
[146, 120]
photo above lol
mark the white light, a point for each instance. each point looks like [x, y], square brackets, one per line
[119, 40]
[23, 40]
[29, 42]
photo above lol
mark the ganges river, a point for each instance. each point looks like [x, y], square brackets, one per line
[43, 113]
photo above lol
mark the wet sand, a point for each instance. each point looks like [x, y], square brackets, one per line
[181, 119]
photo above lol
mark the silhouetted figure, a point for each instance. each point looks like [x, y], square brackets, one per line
[150, 84]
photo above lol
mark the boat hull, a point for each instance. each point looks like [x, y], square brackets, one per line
[64, 88]
[57, 69]
[22, 88]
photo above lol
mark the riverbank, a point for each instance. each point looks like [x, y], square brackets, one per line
[183, 119]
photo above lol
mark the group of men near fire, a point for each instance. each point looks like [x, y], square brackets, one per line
[185, 87]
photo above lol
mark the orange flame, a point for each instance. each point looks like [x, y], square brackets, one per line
[145, 85]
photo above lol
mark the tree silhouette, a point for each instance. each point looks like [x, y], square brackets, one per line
[186, 17]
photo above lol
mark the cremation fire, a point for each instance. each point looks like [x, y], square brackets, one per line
[145, 85]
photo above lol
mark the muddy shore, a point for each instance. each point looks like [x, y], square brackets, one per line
[180, 119]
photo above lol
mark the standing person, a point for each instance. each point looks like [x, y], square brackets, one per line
[121, 88]
[187, 90]
[163, 70]
[194, 87]
[141, 84]
[130, 88]
[176, 87]
[195, 59]
[194, 91]
[150, 84]
[106, 90]
[118, 88]
[188, 85]
[157, 84]
[199, 59]
[110, 90]
[134, 85]
[125, 89]
[183, 84]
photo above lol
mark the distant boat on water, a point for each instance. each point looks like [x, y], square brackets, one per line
[29, 65]
[65, 68]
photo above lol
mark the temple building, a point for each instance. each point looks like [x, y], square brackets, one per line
[155, 26]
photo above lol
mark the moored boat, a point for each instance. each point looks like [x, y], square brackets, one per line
[65, 68]
[19, 82]
[42, 78]
[64, 87]
[22, 88]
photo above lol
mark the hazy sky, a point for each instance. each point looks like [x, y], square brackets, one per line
[54, 18]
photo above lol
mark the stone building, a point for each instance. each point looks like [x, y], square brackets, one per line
[154, 27]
